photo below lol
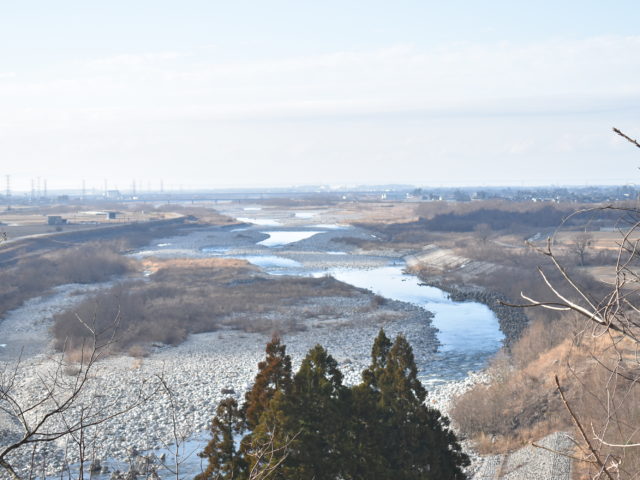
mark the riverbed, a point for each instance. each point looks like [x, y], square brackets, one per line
[280, 242]
[468, 332]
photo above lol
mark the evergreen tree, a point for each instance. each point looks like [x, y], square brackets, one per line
[274, 374]
[398, 381]
[366, 448]
[225, 462]
[312, 427]
[424, 446]
[308, 420]
[379, 352]
[366, 443]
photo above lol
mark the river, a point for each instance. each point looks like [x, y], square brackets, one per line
[468, 332]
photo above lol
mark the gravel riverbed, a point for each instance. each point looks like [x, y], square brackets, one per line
[196, 372]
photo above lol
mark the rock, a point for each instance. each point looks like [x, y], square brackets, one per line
[117, 475]
[95, 466]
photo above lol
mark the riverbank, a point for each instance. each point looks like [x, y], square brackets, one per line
[512, 320]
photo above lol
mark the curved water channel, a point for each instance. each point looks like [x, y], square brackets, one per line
[468, 332]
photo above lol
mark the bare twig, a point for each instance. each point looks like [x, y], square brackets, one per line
[593, 451]
[626, 137]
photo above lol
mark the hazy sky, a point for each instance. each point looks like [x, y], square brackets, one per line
[238, 93]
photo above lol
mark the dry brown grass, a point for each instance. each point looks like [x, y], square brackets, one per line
[518, 405]
[154, 264]
[35, 275]
[374, 212]
[521, 403]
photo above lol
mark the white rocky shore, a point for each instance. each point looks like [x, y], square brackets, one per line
[197, 373]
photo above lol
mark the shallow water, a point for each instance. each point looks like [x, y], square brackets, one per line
[215, 250]
[270, 261]
[280, 238]
[462, 326]
[265, 222]
[329, 226]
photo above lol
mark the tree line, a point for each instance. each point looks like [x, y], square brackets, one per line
[308, 425]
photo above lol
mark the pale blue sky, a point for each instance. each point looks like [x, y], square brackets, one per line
[206, 93]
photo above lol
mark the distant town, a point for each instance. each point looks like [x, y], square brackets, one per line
[409, 193]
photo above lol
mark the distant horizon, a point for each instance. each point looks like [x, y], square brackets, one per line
[309, 188]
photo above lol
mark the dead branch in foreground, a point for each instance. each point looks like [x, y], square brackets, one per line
[64, 407]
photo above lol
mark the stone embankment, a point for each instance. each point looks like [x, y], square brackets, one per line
[512, 320]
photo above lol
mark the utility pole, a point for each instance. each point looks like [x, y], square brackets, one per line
[45, 188]
[84, 190]
[8, 192]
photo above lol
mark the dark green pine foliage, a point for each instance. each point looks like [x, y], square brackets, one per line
[274, 374]
[379, 352]
[309, 420]
[423, 445]
[225, 462]
[312, 427]
[367, 447]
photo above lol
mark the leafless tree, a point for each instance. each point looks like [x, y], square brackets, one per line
[179, 451]
[580, 245]
[483, 231]
[64, 407]
[603, 399]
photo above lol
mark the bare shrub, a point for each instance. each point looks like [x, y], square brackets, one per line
[194, 297]
[138, 351]
[64, 409]
[513, 406]
[33, 276]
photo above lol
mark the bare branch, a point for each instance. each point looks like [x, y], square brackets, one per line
[626, 137]
[598, 460]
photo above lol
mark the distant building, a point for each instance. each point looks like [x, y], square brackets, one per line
[56, 220]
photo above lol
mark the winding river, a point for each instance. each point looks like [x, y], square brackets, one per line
[468, 332]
